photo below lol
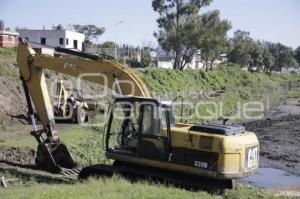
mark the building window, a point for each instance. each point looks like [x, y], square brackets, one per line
[61, 41]
[67, 41]
[75, 42]
[43, 40]
[9, 37]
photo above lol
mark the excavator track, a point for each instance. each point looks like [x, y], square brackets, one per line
[70, 172]
[138, 172]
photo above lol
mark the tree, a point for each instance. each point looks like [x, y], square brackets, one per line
[256, 53]
[268, 59]
[146, 58]
[107, 48]
[108, 44]
[214, 37]
[284, 56]
[297, 54]
[178, 27]
[242, 47]
[294, 63]
[90, 31]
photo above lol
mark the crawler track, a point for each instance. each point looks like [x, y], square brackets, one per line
[70, 172]
[137, 172]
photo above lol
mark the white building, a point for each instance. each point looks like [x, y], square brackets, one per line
[164, 62]
[290, 70]
[57, 37]
[168, 62]
[196, 62]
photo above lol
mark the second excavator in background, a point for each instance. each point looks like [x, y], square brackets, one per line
[70, 104]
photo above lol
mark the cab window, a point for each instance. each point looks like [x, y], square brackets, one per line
[163, 117]
[150, 120]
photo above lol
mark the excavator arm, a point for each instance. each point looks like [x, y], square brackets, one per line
[109, 73]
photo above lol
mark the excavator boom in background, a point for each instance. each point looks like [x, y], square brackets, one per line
[140, 130]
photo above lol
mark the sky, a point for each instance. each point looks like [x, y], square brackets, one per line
[271, 20]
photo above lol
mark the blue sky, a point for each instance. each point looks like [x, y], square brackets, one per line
[273, 20]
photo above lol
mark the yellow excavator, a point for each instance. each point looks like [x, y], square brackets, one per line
[141, 135]
[71, 105]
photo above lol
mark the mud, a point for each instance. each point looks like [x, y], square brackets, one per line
[22, 156]
[279, 136]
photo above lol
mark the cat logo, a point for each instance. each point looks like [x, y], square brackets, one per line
[252, 157]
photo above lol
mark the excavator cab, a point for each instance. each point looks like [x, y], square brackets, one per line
[136, 128]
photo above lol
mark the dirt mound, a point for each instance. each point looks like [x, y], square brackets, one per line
[17, 155]
[13, 107]
[12, 99]
[279, 142]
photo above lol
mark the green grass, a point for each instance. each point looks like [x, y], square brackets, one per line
[118, 187]
[8, 65]
[292, 93]
[225, 77]
[106, 188]
[8, 52]
[68, 136]
[89, 149]
[9, 68]
[84, 143]
[162, 81]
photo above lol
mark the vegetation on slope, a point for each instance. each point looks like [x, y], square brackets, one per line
[225, 77]
[220, 91]
[8, 65]
[8, 52]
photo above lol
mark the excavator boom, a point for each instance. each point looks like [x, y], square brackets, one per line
[109, 73]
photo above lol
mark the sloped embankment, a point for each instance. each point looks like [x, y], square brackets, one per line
[227, 86]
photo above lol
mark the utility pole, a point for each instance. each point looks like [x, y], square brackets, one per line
[117, 24]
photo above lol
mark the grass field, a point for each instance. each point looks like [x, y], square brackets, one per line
[69, 136]
[84, 143]
[117, 187]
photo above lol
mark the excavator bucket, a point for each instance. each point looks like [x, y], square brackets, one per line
[54, 157]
